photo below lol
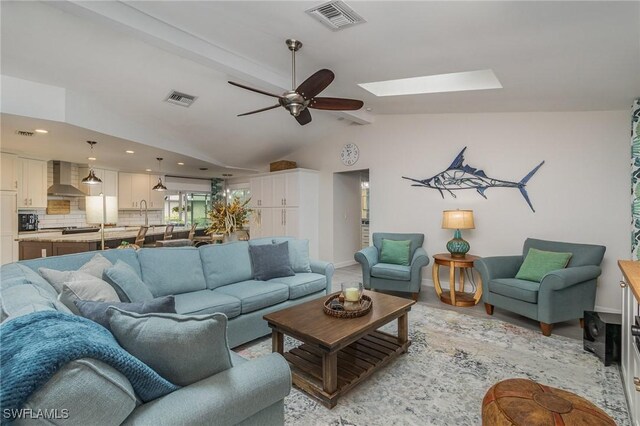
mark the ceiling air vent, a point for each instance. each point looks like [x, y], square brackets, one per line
[24, 133]
[180, 98]
[336, 15]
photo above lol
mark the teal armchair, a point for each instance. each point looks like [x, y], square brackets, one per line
[561, 295]
[386, 276]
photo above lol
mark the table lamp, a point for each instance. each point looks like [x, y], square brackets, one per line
[457, 219]
[102, 209]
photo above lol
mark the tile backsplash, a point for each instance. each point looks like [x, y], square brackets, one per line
[77, 217]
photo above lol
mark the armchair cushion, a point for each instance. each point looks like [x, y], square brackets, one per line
[391, 272]
[395, 252]
[524, 290]
[539, 262]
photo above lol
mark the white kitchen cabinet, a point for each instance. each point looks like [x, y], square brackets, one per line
[156, 198]
[135, 187]
[32, 183]
[9, 172]
[288, 203]
[8, 227]
[109, 185]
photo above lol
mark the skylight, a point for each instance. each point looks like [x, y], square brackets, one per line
[453, 82]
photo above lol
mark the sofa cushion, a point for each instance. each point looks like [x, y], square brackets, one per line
[254, 295]
[524, 290]
[395, 252]
[303, 284]
[171, 271]
[207, 302]
[226, 263]
[73, 262]
[391, 272]
[74, 390]
[97, 311]
[181, 348]
[32, 277]
[298, 253]
[539, 263]
[270, 261]
[26, 298]
[127, 283]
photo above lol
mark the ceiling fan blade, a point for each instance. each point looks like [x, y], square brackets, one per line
[315, 84]
[336, 104]
[304, 117]
[254, 90]
[259, 110]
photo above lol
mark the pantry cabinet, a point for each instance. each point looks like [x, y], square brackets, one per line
[9, 172]
[135, 187]
[32, 183]
[286, 203]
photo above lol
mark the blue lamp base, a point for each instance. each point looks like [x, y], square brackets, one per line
[457, 246]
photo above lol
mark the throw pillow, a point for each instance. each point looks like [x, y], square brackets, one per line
[270, 261]
[395, 252]
[96, 266]
[97, 311]
[538, 263]
[299, 255]
[127, 283]
[90, 289]
[181, 348]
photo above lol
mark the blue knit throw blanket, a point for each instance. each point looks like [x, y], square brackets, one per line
[34, 347]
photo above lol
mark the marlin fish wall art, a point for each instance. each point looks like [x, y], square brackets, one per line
[460, 176]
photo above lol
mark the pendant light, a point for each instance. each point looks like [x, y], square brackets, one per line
[92, 179]
[159, 186]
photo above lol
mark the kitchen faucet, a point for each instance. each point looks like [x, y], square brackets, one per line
[146, 213]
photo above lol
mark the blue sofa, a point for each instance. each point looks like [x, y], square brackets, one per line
[213, 278]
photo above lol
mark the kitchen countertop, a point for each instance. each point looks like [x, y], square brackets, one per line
[90, 237]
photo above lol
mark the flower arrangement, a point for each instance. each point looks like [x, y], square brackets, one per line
[227, 218]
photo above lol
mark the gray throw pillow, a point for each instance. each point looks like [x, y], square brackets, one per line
[299, 255]
[127, 283]
[181, 348]
[96, 266]
[97, 311]
[93, 268]
[90, 289]
[270, 261]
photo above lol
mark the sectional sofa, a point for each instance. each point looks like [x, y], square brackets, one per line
[213, 278]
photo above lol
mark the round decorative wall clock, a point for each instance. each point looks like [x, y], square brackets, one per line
[349, 154]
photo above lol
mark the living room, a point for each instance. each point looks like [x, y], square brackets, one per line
[539, 126]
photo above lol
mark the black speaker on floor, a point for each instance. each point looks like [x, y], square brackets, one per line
[602, 334]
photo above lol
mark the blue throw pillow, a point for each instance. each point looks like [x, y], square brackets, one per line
[270, 261]
[127, 283]
[97, 311]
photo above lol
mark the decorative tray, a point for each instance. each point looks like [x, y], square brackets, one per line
[365, 302]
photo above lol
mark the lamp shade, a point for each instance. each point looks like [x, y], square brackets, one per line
[95, 206]
[457, 219]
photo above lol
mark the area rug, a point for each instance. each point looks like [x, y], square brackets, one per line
[454, 358]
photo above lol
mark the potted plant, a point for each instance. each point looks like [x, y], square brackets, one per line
[229, 219]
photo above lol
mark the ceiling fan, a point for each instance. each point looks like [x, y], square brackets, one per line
[298, 100]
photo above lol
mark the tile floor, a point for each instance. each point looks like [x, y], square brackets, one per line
[428, 297]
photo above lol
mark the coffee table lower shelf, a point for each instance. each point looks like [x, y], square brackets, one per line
[355, 363]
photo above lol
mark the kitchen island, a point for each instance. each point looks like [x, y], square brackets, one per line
[37, 244]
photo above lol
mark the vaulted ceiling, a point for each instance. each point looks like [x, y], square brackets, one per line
[119, 60]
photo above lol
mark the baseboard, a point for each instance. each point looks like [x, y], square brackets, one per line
[345, 264]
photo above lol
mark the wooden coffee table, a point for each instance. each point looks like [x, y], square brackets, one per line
[336, 354]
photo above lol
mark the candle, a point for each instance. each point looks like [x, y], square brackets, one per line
[351, 294]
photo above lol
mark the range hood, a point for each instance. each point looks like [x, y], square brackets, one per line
[62, 181]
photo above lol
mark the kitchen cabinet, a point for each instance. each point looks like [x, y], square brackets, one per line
[135, 187]
[286, 203]
[108, 187]
[9, 172]
[8, 227]
[32, 183]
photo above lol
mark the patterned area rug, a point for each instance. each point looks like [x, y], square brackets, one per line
[454, 358]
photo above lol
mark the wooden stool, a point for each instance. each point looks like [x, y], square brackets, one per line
[523, 402]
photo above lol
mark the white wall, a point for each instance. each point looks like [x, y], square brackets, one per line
[581, 193]
[346, 217]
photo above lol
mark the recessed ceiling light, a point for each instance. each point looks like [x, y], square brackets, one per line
[368, 109]
[180, 164]
[129, 151]
[454, 82]
[41, 131]
[91, 158]
[147, 170]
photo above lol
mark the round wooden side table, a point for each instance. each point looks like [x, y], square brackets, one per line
[464, 264]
